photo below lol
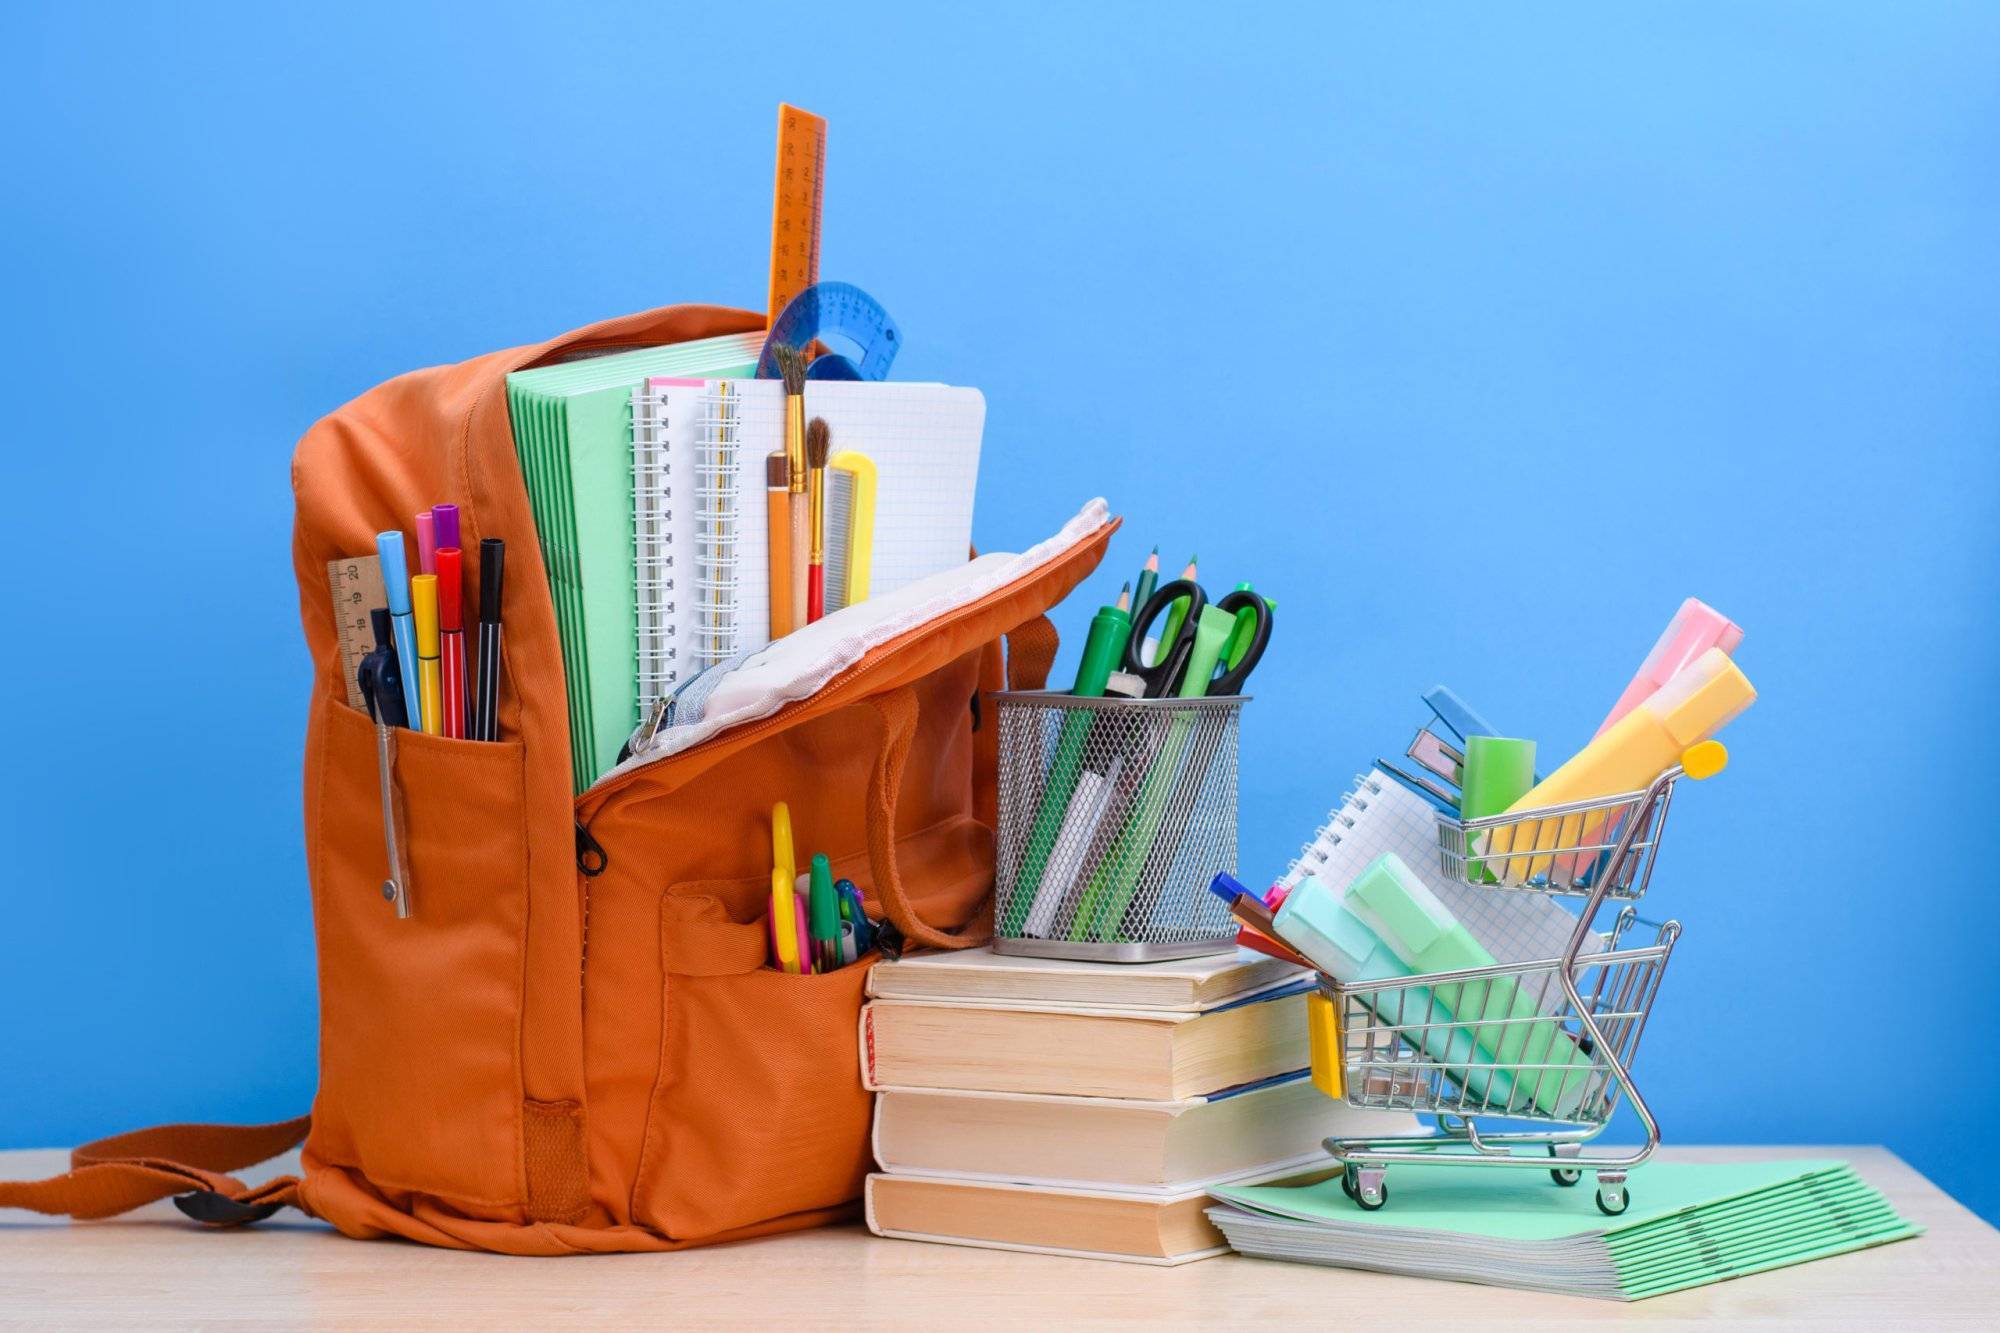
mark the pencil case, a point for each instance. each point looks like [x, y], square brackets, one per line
[573, 1043]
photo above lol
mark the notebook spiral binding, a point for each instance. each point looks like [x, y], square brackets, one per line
[718, 527]
[1313, 855]
[657, 602]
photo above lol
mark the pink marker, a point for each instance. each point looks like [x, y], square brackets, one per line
[1695, 628]
[427, 544]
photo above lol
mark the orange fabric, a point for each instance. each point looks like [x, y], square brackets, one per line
[541, 1061]
[123, 1172]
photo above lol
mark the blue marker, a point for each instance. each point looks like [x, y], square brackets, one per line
[396, 583]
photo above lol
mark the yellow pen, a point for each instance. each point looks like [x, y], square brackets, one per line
[784, 897]
[430, 684]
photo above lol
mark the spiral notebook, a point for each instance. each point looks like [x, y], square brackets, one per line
[701, 540]
[572, 432]
[1380, 815]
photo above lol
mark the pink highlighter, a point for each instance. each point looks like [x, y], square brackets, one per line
[1695, 628]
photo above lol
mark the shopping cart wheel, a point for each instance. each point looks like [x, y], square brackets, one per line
[1612, 1198]
[1565, 1175]
[1368, 1186]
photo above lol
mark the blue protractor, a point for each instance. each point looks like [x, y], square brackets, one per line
[835, 310]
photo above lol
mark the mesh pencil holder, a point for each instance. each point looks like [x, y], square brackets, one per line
[1114, 815]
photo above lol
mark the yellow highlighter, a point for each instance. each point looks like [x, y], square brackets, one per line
[1698, 702]
[430, 684]
[1323, 1041]
[784, 928]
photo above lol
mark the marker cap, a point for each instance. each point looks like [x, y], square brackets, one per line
[424, 605]
[395, 571]
[451, 588]
[492, 570]
[426, 543]
[444, 520]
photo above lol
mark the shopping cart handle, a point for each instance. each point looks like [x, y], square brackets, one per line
[1704, 759]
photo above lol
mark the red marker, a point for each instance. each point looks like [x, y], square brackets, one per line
[451, 638]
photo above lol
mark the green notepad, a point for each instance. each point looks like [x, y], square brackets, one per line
[1688, 1224]
[573, 435]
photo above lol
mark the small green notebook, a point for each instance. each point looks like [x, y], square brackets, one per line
[1687, 1224]
[573, 435]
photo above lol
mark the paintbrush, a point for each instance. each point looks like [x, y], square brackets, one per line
[792, 369]
[819, 444]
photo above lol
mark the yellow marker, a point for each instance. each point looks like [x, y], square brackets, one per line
[430, 685]
[1323, 1038]
[850, 526]
[1627, 755]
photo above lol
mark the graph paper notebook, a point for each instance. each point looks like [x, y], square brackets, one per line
[707, 589]
[573, 435]
[1381, 815]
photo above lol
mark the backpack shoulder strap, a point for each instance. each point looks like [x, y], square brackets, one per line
[192, 1162]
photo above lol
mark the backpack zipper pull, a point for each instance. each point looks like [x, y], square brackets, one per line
[591, 857]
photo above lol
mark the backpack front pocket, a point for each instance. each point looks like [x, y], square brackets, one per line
[420, 1079]
[759, 1111]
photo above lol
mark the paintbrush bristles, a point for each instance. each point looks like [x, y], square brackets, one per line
[791, 368]
[819, 442]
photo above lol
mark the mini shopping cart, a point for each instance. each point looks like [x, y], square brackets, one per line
[1546, 1043]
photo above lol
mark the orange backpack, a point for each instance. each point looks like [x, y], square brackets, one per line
[574, 1044]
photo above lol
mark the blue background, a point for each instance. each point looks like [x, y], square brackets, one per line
[1477, 335]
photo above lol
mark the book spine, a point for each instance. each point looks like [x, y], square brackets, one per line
[868, 1048]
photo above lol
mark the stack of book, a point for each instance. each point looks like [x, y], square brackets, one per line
[1085, 1108]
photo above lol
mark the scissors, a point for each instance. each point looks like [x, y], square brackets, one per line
[1170, 663]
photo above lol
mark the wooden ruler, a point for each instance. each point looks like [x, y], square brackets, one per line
[795, 207]
[357, 589]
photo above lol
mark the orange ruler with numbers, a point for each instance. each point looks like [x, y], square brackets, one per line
[796, 204]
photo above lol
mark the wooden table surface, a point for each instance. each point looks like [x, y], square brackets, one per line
[156, 1269]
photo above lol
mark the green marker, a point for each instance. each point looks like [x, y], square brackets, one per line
[823, 917]
[1497, 771]
[1102, 910]
[1246, 629]
[1102, 651]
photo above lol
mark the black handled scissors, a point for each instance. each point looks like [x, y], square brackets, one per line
[1171, 661]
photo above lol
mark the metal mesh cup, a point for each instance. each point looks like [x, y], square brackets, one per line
[1114, 816]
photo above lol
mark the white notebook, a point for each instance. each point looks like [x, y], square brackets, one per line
[700, 516]
[1381, 815]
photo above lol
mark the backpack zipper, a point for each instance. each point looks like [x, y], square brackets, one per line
[596, 796]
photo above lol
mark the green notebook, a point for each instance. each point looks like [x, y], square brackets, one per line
[573, 435]
[1688, 1224]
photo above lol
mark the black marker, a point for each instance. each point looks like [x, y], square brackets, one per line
[485, 720]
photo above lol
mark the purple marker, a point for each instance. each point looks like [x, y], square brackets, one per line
[445, 519]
